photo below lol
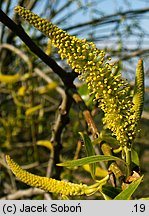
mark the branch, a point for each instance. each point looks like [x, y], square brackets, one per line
[19, 31]
[19, 53]
[110, 18]
[23, 193]
[134, 54]
[145, 115]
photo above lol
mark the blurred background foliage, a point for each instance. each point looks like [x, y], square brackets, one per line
[33, 97]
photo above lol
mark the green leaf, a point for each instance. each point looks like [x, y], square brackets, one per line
[90, 152]
[30, 111]
[85, 94]
[110, 191]
[144, 198]
[83, 90]
[89, 160]
[107, 138]
[135, 157]
[126, 194]
[106, 197]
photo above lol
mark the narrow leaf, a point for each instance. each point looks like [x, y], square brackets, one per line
[9, 79]
[88, 160]
[106, 197]
[45, 143]
[127, 193]
[107, 138]
[110, 191]
[99, 171]
[90, 152]
[144, 198]
[135, 157]
[22, 91]
[30, 111]
[47, 88]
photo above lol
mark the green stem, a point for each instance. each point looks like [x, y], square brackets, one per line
[118, 150]
[128, 161]
[95, 187]
[33, 134]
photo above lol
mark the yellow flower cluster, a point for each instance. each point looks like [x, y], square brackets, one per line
[138, 98]
[47, 184]
[111, 91]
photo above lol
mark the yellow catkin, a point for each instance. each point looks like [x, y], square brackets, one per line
[110, 90]
[47, 184]
[9, 79]
[138, 98]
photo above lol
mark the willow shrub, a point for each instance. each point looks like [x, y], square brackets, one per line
[122, 112]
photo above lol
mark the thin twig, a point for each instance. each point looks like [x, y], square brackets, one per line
[3, 162]
[18, 52]
[57, 122]
[133, 54]
[145, 115]
[24, 193]
[110, 18]
[87, 115]
[58, 89]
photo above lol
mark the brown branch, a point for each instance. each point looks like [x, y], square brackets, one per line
[87, 115]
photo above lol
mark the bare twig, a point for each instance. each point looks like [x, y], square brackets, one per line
[87, 115]
[57, 122]
[113, 18]
[58, 89]
[145, 115]
[30, 166]
[133, 54]
[3, 162]
[24, 193]
[19, 53]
